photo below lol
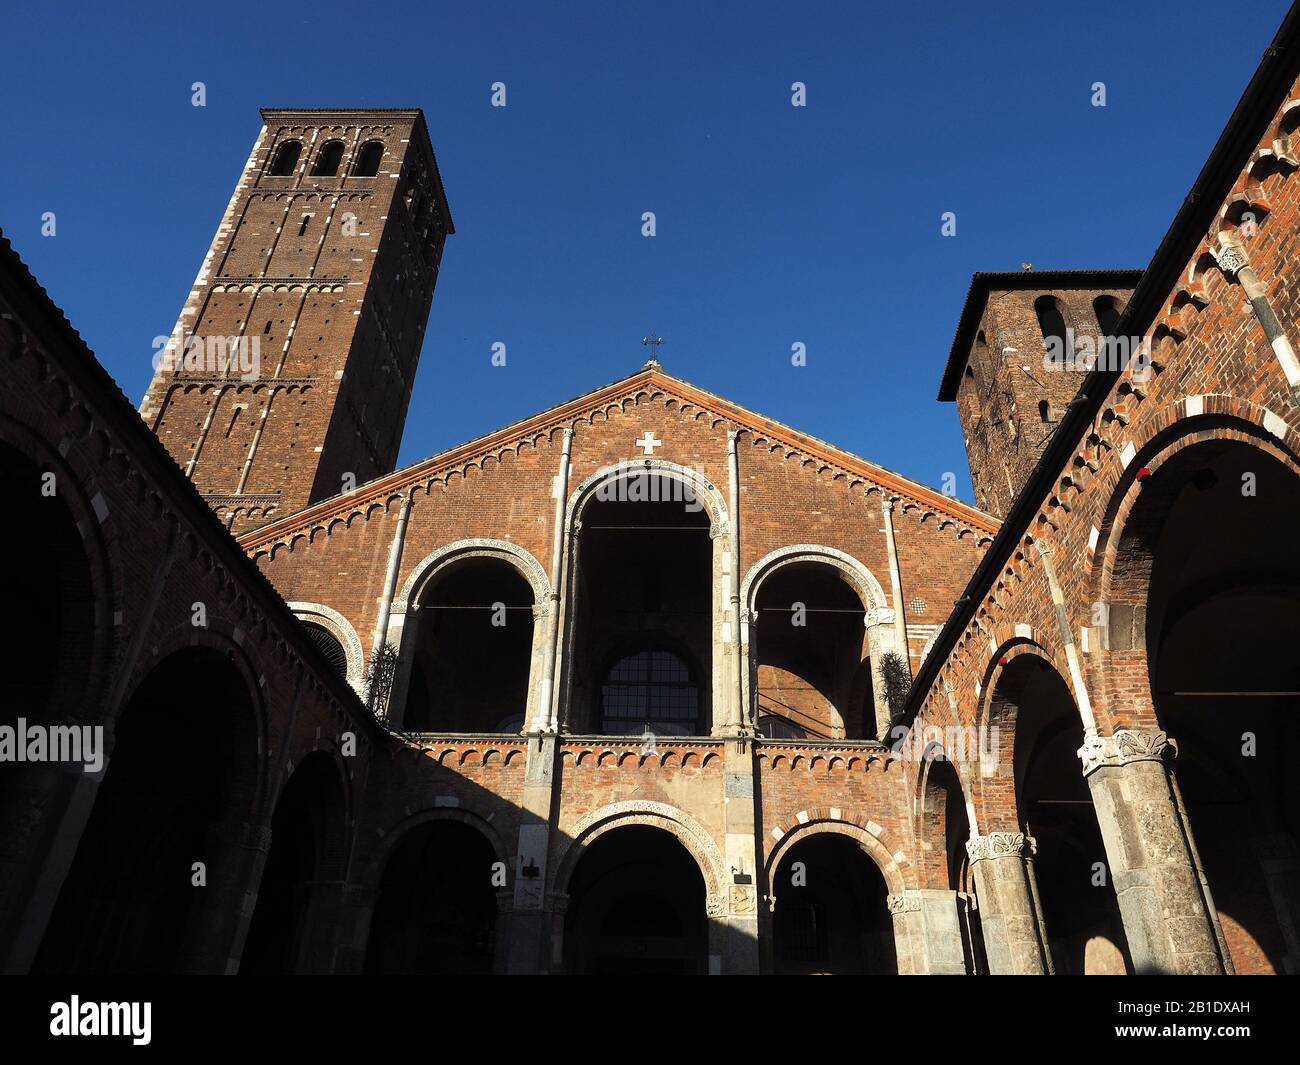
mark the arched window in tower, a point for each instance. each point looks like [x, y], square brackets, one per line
[328, 159]
[286, 159]
[1106, 308]
[651, 690]
[368, 159]
[1051, 320]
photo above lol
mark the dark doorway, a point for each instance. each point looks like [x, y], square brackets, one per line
[831, 916]
[436, 912]
[181, 766]
[1084, 930]
[1223, 625]
[306, 859]
[636, 905]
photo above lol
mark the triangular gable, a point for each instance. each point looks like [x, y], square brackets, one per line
[763, 429]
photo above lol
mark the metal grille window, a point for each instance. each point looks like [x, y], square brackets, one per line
[650, 690]
[329, 646]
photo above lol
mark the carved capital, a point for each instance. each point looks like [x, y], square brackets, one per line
[1231, 258]
[1000, 845]
[903, 902]
[1125, 746]
[880, 615]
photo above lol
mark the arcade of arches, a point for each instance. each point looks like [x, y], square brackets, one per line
[640, 721]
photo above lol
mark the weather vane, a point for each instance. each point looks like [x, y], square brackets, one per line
[652, 342]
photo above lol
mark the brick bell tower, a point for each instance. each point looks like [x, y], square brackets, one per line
[287, 377]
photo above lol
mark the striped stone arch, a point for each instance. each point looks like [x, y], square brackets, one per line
[679, 824]
[893, 866]
[988, 716]
[1185, 423]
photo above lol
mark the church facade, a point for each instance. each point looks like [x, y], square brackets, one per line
[647, 681]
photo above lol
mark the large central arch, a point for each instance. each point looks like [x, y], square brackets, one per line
[691, 653]
[828, 885]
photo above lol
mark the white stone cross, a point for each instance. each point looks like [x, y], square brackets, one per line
[648, 443]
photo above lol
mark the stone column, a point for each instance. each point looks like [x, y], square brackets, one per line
[1233, 261]
[722, 698]
[1164, 900]
[50, 806]
[1010, 917]
[896, 582]
[905, 911]
[882, 637]
[928, 925]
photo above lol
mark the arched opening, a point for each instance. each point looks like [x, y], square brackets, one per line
[368, 159]
[642, 609]
[182, 768]
[830, 914]
[329, 646]
[1051, 321]
[943, 831]
[436, 911]
[286, 159]
[328, 158]
[811, 657]
[49, 610]
[1107, 309]
[636, 905]
[290, 931]
[1222, 628]
[1083, 926]
[472, 649]
[47, 623]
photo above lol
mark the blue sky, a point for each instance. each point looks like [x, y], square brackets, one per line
[776, 224]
